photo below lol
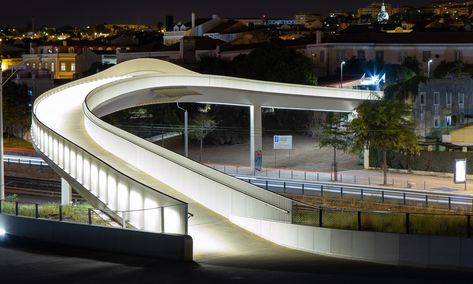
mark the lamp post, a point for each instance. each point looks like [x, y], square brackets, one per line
[186, 131]
[428, 68]
[341, 73]
[2, 176]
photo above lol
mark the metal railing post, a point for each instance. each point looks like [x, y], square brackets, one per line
[468, 226]
[266, 184]
[16, 208]
[284, 187]
[369, 180]
[89, 215]
[321, 191]
[359, 220]
[162, 219]
[60, 212]
[404, 198]
[449, 203]
[407, 223]
[1, 206]
[341, 192]
[382, 196]
[36, 211]
[426, 200]
[320, 218]
[361, 192]
[303, 192]
[124, 219]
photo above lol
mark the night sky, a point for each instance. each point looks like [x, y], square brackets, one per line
[82, 12]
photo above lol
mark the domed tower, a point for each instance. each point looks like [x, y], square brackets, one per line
[383, 16]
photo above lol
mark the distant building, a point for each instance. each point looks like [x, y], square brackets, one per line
[197, 27]
[390, 48]
[443, 104]
[383, 16]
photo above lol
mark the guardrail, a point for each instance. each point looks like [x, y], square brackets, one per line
[348, 178]
[372, 194]
[320, 188]
[384, 221]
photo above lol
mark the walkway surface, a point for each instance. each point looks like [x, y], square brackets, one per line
[22, 262]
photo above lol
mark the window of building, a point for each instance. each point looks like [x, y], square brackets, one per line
[63, 66]
[426, 55]
[361, 55]
[34, 65]
[340, 55]
[448, 120]
[422, 99]
[461, 98]
[379, 55]
[52, 66]
[402, 56]
[449, 99]
[436, 98]
[73, 67]
[436, 122]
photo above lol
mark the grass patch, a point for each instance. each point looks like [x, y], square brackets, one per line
[78, 212]
[15, 142]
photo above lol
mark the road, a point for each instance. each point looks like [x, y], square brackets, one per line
[380, 194]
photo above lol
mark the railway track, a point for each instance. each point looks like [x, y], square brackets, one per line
[34, 187]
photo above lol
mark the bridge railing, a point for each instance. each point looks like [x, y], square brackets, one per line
[115, 190]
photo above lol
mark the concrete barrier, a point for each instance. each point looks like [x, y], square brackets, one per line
[388, 248]
[131, 242]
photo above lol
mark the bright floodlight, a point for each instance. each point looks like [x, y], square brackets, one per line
[430, 61]
[343, 62]
[2, 232]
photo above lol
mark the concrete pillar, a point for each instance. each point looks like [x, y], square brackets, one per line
[66, 192]
[366, 158]
[256, 133]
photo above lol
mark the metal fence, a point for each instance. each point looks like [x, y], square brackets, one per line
[327, 176]
[73, 213]
[383, 221]
[324, 189]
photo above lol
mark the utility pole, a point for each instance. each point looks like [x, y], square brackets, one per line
[186, 131]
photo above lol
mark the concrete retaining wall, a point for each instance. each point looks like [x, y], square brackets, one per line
[398, 249]
[176, 247]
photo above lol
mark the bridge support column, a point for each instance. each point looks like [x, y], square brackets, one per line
[366, 158]
[256, 133]
[66, 192]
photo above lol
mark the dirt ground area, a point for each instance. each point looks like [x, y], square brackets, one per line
[306, 155]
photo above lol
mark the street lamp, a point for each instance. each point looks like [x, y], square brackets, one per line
[186, 132]
[428, 67]
[341, 73]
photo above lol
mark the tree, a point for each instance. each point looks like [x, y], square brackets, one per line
[200, 128]
[277, 64]
[412, 63]
[16, 109]
[384, 125]
[335, 135]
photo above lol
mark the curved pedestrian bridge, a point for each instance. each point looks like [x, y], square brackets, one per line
[150, 187]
